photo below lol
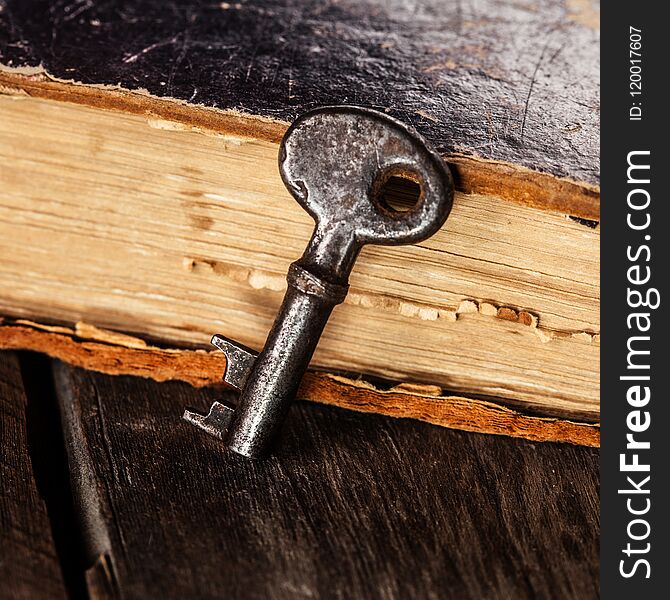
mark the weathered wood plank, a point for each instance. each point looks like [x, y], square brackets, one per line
[512, 82]
[351, 506]
[29, 565]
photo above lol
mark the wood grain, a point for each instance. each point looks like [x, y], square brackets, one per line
[107, 354]
[174, 234]
[351, 506]
[512, 82]
[29, 564]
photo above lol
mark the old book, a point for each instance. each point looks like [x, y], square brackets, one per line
[140, 193]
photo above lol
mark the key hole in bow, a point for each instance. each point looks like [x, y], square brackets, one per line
[398, 192]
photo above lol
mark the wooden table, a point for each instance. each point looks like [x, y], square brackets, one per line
[119, 496]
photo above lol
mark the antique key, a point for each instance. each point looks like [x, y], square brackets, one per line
[335, 161]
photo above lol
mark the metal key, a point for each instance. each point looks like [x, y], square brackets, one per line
[335, 162]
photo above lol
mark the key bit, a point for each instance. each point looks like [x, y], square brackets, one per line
[335, 161]
[215, 422]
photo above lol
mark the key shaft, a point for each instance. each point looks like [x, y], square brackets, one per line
[274, 380]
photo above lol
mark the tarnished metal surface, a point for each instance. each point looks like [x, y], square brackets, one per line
[216, 422]
[239, 360]
[335, 161]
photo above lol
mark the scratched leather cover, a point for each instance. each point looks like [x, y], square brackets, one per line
[514, 82]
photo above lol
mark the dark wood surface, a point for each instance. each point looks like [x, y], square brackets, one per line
[510, 81]
[351, 506]
[29, 564]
